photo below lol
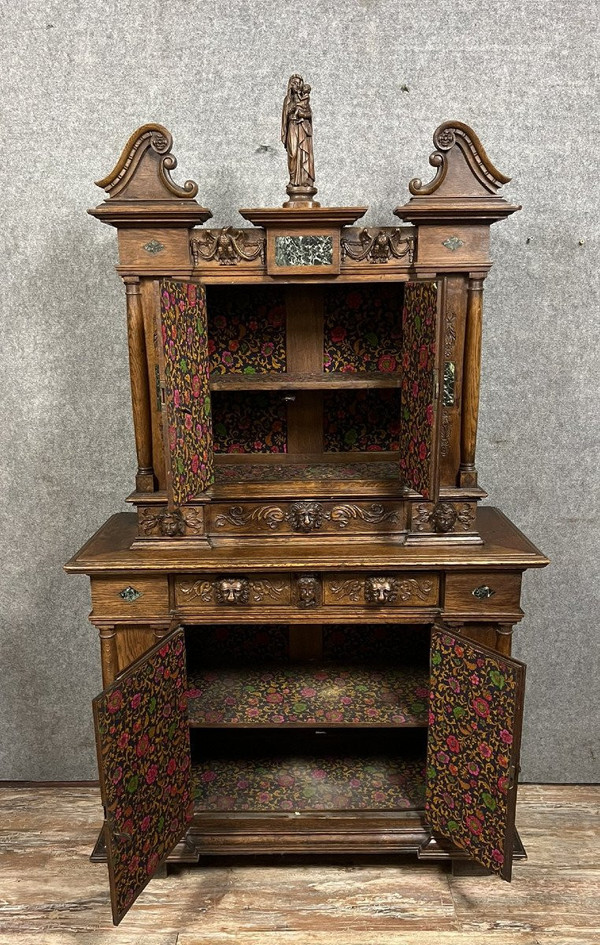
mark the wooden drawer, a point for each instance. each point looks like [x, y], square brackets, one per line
[130, 597]
[206, 592]
[303, 592]
[394, 589]
[305, 518]
[481, 592]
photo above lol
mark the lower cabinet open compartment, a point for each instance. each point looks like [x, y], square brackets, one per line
[295, 753]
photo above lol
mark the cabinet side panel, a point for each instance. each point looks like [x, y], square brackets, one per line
[476, 707]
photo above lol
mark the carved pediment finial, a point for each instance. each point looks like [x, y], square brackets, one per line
[140, 185]
[457, 145]
[151, 145]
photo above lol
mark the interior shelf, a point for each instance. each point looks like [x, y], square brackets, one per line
[334, 694]
[275, 380]
[345, 779]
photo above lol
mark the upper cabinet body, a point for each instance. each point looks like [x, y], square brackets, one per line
[305, 375]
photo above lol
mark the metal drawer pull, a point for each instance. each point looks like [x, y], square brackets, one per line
[483, 592]
[130, 594]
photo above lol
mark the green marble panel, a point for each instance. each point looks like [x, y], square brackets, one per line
[303, 250]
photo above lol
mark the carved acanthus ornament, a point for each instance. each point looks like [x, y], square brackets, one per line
[378, 246]
[382, 589]
[227, 246]
[306, 516]
[229, 591]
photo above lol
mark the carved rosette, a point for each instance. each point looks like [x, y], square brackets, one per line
[444, 517]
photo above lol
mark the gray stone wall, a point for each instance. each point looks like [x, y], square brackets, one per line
[78, 78]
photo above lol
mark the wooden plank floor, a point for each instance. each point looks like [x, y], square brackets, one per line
[50, 894]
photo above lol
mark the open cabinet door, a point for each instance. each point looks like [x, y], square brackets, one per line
[420, 406]
[476, 711]
[143, 744]
[185, 389]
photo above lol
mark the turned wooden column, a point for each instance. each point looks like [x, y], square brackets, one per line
[470, 390]
[140, 391]
[108, 654]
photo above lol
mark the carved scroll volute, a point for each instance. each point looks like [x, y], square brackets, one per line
[143, 173]
[465, 179]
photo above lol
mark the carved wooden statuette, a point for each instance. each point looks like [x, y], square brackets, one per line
[297, 138]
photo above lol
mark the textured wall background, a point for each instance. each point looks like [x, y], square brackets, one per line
[79, 78]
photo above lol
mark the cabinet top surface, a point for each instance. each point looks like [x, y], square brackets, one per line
[504, 546]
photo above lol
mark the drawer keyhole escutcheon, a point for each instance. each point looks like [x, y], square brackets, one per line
[483, 592]
[130, 594]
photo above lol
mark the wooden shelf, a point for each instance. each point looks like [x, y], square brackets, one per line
[327, 780]
[302, 696]
[282, 381]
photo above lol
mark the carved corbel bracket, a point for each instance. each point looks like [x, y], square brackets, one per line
[140, 183]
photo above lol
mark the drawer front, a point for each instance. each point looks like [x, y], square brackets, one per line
[299, 592]
[399, 589]
[130, 597]
[481, 592]
[305, 518]
[207, 592]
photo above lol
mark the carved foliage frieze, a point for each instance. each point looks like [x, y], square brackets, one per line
[306, 516]
[380, 589]
[234, 590]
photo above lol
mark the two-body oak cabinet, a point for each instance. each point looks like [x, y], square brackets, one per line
[305, 627]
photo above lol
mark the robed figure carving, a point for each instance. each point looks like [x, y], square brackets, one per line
[297, 138]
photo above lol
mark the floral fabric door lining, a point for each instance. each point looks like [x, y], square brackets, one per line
[419, 408]
[143, 745]
[474, 736]
[184, 368]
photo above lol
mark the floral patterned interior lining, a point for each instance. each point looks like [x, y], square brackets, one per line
[309, 782]
[249, 422]
[143, 740]
[188, 402]
[361, 420]
[472, 728]
[246, 329]
[313, 694]
[362, 328]
[298, 472]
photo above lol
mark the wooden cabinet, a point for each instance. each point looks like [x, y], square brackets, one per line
[305, 626]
